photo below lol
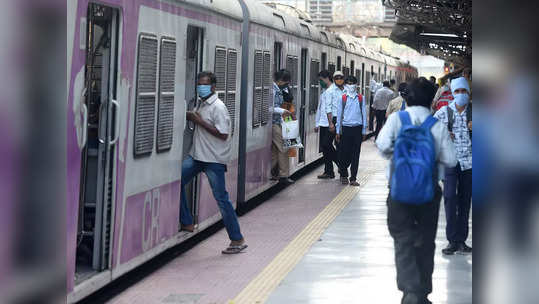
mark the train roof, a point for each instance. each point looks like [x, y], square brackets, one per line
[225, 7]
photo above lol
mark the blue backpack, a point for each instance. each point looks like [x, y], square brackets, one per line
[414, 162]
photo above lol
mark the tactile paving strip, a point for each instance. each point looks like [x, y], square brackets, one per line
[259, 289]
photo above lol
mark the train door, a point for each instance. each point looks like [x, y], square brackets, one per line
[363, 79]
[96, 199]
[301, 154]
[193, 65]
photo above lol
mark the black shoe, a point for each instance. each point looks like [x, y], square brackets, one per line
[285, 181]
[326, 176]
[412, 298]
[344, 180]
[464, 249]
[450, 249]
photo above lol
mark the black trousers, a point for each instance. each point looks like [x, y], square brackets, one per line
[457, 202]
[413, 229]
[328, 150]
[349, 150]
[371, 113]
[380, 120]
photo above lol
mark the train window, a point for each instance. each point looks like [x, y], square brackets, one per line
[339, 63]
[331, 68]
[220, 72]
[257, 88]
[279, 20]
[146, 95]
[324, 61]
[277, 55]
[314, 93]
[346, 71]
[305, 30]
[324, 37]
[165, 111]
[358, 76]
[352, 68]
[292, 66]
[340, 43]
[266, 88]
[231, 78]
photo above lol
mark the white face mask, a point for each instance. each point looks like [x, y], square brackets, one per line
[351, 89]
[461, 99]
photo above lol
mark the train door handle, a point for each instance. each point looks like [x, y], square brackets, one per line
[101, 140]
[84, 125]
[116, 122]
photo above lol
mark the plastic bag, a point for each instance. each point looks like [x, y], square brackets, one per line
[291, 138]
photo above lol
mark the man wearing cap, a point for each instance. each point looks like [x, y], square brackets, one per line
[458, 180]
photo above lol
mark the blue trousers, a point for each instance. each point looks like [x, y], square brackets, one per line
[457, 202]
[216, 176]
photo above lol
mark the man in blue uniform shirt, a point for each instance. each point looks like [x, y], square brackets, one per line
[351, 129]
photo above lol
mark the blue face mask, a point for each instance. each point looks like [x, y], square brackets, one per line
[461, 99]
[204, 90]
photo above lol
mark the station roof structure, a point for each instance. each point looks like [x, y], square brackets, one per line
[441, 28]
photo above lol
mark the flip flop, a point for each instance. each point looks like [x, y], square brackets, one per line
[234, 249]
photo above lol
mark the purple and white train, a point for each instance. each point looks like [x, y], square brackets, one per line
[131, 76]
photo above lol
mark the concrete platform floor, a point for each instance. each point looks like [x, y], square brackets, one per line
[351, 260]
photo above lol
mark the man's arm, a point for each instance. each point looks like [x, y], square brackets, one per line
[195, 117]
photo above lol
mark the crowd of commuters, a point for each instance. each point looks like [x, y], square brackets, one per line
[424, 128]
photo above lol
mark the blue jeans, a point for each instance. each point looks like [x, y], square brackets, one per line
[216, 175]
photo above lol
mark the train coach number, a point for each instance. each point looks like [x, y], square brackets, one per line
[150, 219]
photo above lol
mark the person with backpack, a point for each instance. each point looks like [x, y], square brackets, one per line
[351, 130]
[419, 147]
[457, 116]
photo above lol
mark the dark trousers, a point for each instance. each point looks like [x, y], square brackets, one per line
[371, 113]
[380, 120]
[349, 150]
[328, 150]
[457, 201]
[413, 229]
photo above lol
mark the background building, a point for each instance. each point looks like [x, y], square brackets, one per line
[321, 11]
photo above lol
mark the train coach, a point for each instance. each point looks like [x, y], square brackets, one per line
[132, 67]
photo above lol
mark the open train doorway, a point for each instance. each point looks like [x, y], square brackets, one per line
[193, 65]
[96, 198]
[303, 83]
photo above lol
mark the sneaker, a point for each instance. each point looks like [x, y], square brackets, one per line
[464, 249]
[325, 176]
[354, 183]
[344, 180]
[450, 249]
[285, 181]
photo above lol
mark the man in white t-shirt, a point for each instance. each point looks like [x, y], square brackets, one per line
[209, 154]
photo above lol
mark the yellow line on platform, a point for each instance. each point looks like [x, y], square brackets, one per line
[260, 288]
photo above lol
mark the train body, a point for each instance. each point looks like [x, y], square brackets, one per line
[132, 67]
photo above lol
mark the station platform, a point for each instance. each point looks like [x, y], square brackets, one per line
[316, 241]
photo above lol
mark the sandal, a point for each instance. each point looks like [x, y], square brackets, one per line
[233, 249]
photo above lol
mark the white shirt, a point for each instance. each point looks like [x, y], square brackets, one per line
[463, 142]
[373, 86]
[382, 98]
[333, 99]
[206, 147]
[443, 145]
[321, 115]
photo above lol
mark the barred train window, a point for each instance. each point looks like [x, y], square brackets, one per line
[165, 114]
[225, 67]
[257, 88]
[146, 95]
[266, 89]
[231, 77]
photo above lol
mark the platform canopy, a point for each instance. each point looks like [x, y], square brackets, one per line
[441, 28]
